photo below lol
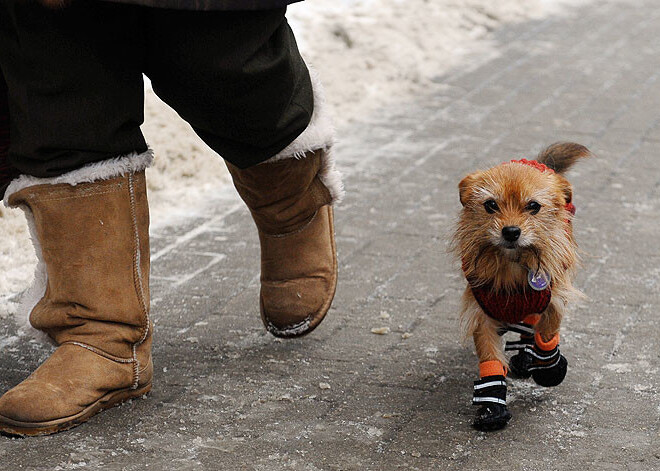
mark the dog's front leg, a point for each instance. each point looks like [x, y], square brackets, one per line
[546, 364]
[490, 389]
[548, 325]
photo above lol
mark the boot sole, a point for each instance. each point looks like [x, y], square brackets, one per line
[312, 322]
[30, 429]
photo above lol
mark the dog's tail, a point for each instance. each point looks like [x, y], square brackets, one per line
[560, 156]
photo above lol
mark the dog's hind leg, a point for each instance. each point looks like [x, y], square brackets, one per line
[520, 362]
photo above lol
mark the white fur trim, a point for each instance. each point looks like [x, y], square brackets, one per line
[37, 290]
[319, 135]
[331, 177]
[104, 170]
[320, 132]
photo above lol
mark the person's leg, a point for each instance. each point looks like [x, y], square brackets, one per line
[75, 87]
[239, 80]
[7, 172]
[233, 76]
[75, 100]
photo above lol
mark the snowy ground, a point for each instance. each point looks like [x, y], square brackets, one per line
[368, 52]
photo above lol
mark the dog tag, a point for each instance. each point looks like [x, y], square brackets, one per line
[538, 280]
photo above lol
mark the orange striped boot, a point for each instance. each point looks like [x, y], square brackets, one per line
[490, 395]
[520, 362]
[536, 358]
[549, 366]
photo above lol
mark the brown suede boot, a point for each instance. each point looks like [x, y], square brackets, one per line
[93, 240]
[290, 205]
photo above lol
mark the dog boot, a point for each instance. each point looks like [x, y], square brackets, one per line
[549, 365]
[90, 229]
[290, 201]
[490, 395]
[520, 362]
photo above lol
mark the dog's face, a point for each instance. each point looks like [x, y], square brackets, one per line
[515, 212]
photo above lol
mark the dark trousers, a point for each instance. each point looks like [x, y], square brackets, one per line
[7, 172]
[76, 94]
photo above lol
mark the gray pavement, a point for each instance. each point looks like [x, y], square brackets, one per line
[227, 396]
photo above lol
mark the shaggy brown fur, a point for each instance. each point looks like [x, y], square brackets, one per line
[546, 240]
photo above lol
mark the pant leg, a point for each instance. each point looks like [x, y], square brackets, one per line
[236, 77]
[75, 85]
[7, 172]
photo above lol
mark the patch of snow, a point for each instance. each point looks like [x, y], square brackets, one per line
[368, 53]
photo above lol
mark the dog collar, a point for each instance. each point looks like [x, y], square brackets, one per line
[532, 163]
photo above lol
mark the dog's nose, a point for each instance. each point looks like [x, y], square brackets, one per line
[511, 233]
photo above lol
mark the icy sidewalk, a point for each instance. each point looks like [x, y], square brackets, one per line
[369, 53]
[228, 396]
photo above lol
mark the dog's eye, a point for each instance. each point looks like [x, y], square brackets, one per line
[491, 206]
[533, 207]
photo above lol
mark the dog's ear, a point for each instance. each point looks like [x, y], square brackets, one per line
[566, 188]
[465, 186]
[560, 156]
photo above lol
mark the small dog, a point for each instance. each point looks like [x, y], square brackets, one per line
[518, 253]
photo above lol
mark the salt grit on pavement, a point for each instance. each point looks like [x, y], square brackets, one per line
[368, 52]
[385, 384]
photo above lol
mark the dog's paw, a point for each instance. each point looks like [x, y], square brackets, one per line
[519, 365]
[491, 417]
[552, 376]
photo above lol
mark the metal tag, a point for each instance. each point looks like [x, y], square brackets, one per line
[538, 280]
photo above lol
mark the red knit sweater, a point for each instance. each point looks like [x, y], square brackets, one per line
[511, 307]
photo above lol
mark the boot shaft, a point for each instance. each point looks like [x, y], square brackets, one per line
[283, 195]
[93, 240]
